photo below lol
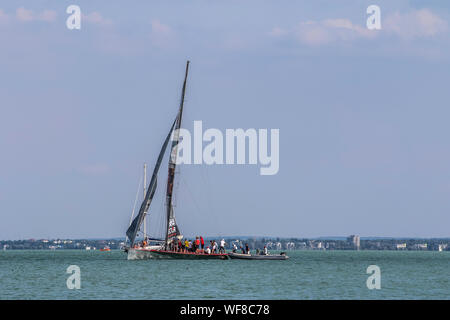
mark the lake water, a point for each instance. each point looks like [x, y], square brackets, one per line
[306, 275]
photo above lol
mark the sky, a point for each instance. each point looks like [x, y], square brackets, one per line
[363, 115]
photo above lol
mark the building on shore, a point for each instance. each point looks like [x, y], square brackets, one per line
[420, 246]
[355, 241]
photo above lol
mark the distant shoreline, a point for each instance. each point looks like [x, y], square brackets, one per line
[246, 237]
[273, 243]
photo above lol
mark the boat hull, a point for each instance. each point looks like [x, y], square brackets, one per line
[140, 253]
[161, 254]
[244, 256]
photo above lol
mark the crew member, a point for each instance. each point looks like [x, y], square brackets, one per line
[222, 246]
[197, 244]
[202, 242]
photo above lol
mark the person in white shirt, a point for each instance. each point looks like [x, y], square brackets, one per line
[265, 250]
[222, 246]
[208, 250]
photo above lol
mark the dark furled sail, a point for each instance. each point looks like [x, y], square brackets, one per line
[136, 224]
[172, 228]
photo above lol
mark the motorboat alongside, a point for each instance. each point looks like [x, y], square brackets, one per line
[248, 256]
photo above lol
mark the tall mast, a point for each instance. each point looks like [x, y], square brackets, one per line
[145, 192]
[172, 229]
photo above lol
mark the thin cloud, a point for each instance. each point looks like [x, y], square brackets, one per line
[415, 24]
[96, 18]
[25, 15]
[331, 30]
[47, 15]
[323, 32]
[161, 35]
[4, 18]
[277, 32]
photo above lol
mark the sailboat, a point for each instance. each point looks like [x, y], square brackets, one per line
[165, 248]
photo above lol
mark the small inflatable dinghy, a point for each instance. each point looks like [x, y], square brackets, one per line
[281, 256]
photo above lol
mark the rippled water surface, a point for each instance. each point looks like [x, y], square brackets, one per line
[306, 275]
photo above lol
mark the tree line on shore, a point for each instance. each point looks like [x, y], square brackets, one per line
[274, 244]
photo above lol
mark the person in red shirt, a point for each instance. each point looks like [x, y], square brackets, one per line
[202, 242]
[197, 244]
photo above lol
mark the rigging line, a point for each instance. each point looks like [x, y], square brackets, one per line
[161, 219]
[135, 201]
[210, 189]
[192, 195]
[156, 217]
[159, 214]
[205, 176]
[176, 187]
